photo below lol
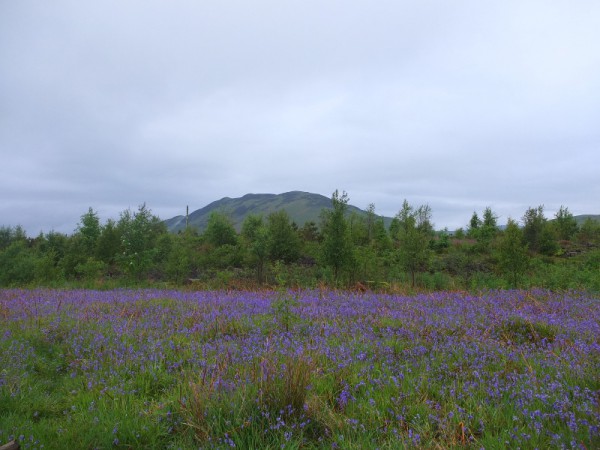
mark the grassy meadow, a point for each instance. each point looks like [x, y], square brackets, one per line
[129, 369]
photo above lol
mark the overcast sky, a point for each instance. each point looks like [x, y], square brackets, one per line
[455, 104]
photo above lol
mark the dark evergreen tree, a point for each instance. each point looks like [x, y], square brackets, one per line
[255, 240]
[309, 232]
[284, 242]
[487, 231]
[536, 232]
[337, 250]
[474, 225]
[89, 230]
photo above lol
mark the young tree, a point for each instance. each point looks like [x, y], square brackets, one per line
[533, 224]
[89, 230]
[50, 250]
[513, 257]
[564, 224]
[219, 230]
[371, 219]
[180, 261]
[309, 232]
[255, 241]
[537, 233]
[380, 237]
[284, 243]
[359, 231]
[423, 221]
[8, 235]
[488, 229]
[490, 219]
[82, 249]
[414, 234]
[474, 225]
[109, 243]
[140, 232]
[337, 245]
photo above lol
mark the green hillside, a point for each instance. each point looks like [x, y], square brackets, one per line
[583, 217]
[302, 207]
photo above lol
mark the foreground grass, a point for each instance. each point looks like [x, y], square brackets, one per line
[168, 369]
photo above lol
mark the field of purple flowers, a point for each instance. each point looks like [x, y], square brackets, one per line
[309, 369]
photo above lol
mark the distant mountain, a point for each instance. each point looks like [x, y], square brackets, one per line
[302, 207]
[583, 217]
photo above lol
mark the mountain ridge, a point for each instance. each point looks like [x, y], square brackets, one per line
[301, 206]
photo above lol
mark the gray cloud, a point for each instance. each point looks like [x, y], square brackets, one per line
[460, 105]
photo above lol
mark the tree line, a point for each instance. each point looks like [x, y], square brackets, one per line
[342, 250]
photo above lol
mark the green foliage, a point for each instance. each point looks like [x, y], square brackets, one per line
[474, 225]
[484, 231]
[337, 244]
[413, 236]
[17, 264]
[46, 269]
[89, 229]
[349, 249]
[536, 232]
[225, 256]
[547, 241]
[109, 243]
[220, 231]
[442, 241]
[140, 232]
[487, 231]
[512, 253]
[283, 240]
[309, 232]
[589, 233]
[8, 235]
[564, 224]
[91, 269]
[255, 240]
[380, 239]
[181, 261]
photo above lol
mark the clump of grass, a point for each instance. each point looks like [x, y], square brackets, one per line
[271, 383]
[518, 330]
[266, 394]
